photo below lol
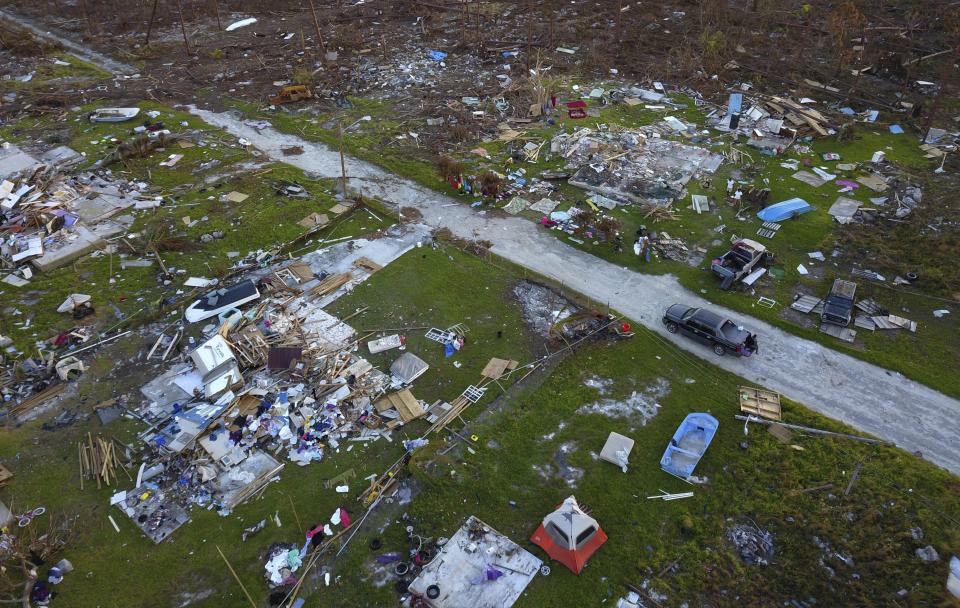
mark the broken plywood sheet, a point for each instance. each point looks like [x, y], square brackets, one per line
[759, 402]
[339, 209]
[314, 220]
[237, 197]
[495, 368]
[301, 271]
[808, 178]
[367, 264]
[844, 209]
[874, 182]
[404, 402]
[841, 333]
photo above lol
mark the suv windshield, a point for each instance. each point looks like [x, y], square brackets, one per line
[690, 313]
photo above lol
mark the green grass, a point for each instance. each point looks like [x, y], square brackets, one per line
[194, 184]
[374, 140]
[894, 491]
[928, 356]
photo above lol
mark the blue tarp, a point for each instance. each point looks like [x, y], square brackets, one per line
[437, 55]
[785, 210]
[896, 129]
[688, 444]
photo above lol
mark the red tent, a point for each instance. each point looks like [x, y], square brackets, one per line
[569, 535]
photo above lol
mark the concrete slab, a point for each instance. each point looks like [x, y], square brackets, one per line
[464, 560]
[78, 242]
[13, 160]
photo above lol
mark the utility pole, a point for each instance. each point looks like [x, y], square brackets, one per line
[153, 14]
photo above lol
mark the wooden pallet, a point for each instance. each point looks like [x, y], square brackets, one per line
[759, 402]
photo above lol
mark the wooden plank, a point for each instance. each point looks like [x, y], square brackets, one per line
[367, 264]
[495, 368]
[760, 402]
[404, 402]
[46, 394]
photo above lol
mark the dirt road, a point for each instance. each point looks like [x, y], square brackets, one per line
[82, 52]
[870, 398]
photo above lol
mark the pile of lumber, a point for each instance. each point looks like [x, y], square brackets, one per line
[98, 461]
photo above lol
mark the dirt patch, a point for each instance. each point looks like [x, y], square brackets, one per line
[639, 407]
[542, 306]
[558, 468]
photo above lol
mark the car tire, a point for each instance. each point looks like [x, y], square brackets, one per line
[672, 327]
[720, 349]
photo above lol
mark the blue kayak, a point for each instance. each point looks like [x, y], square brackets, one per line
[688, 445]
[785, 210]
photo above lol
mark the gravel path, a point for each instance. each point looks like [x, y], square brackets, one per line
[867, 397]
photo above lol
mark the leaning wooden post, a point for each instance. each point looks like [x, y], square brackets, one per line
[216, 10]
[232, 571]
[153, 14]
[183, 28]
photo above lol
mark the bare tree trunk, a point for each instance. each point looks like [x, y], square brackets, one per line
[316, 24]
[153, 14]
[86, 15]
[945, 77]
[183, 27]
[216, 10]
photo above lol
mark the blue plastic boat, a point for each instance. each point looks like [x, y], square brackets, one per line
[785, 210]
[688, 445]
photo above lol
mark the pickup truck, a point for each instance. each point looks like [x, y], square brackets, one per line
[744, 257]
[720, 333]
[838, 307]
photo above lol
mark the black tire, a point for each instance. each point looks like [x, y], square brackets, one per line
[672, 327]
[720, 349]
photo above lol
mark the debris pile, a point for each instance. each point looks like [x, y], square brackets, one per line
[633, 165]
[50, 219]
[754, 545]
[281, 380]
